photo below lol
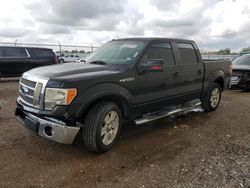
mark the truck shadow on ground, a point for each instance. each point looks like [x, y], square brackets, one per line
[139, 139]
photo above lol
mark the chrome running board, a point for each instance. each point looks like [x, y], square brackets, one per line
[192, 106]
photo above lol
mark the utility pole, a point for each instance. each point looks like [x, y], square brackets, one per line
[60, 48]
[92, 49]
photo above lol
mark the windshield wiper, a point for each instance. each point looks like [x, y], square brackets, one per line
[98, 62]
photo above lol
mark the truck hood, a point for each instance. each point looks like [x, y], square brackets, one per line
[71, 70]
[241, 67]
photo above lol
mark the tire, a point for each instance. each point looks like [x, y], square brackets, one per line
[213, 98]
[61, 61]
[101, 127]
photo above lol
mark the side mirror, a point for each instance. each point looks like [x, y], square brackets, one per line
[153, 65]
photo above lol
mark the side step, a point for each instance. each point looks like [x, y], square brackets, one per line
[192, 106]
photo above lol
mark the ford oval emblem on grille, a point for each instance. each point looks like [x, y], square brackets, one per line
[25, 90]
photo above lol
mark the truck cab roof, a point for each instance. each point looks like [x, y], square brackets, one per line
[151, 39]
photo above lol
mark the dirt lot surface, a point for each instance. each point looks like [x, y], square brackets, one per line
[196, 150]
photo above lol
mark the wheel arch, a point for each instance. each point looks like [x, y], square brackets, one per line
[118, 100]
[105, 93]
[221, 82]
[220, 79]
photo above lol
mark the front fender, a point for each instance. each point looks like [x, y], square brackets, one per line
[85, 98]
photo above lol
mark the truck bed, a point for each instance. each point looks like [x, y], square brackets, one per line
[213, 67]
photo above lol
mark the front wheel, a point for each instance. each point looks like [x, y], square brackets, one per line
[212, 99]
[101, 127]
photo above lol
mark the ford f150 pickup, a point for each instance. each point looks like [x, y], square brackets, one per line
[139, 79]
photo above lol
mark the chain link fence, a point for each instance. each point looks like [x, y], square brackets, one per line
[59, 48]
[217, 57]
[83, 50]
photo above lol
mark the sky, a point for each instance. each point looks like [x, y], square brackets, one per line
[213, 24]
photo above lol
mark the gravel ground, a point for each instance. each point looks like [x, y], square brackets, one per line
[195, 150]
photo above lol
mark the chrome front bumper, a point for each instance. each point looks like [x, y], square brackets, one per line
[49, 128]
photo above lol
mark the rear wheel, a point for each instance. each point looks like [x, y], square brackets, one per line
[102, 126]
[61, 61]
[212, 99]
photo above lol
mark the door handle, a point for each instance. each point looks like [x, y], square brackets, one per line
[177, 74]
[199, 71]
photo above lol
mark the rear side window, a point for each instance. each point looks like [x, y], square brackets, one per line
[187, 53]
[162, 51]
[41, 52]
[13, 52]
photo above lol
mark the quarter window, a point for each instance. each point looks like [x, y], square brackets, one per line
[187, 53]
[41, 52]
[14, 52]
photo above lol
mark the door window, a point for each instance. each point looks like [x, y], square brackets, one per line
[187, 53]
[162, 51]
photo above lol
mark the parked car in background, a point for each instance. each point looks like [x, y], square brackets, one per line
[81, 60]
[14, 61]
[241, 73]
[69, 58]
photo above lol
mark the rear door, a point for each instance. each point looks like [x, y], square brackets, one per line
[157, 86]
[191, 71]
[14, 61]
[41, 57]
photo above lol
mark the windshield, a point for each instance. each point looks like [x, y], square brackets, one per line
[242, 60]
[117, 52]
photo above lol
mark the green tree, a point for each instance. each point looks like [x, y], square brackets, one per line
[245, 50]
[74, 51]
[82, 51]
[226, 51]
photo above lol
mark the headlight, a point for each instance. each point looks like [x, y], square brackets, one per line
[54, 96]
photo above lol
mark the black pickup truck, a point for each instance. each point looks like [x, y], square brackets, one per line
[139, 79]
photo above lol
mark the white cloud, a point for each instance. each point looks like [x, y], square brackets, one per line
[213, 24]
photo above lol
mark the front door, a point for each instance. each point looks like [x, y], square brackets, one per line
[157, 86]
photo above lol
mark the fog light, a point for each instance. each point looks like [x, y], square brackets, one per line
[48, 131]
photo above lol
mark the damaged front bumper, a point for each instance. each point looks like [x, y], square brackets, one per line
[241, 83]
[46, 127]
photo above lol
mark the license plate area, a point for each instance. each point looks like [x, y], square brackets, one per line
[31, 124]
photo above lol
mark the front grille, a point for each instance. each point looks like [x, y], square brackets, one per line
[28, 82]
[31, 91]
[27, 99]
[26, 91]
[238, 75]
[235, 80]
